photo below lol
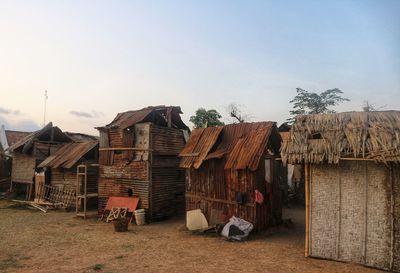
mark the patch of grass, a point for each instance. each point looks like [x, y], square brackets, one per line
[120, 257]
[21, 206]
[128, 246]
[9, 263]
[25, 258]
[98, 267]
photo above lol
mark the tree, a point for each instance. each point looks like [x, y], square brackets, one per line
[312, 103]
[370, 107]
[236, 112]
[206, 118]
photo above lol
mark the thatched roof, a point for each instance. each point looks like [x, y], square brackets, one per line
[242, 145]
[330, 137]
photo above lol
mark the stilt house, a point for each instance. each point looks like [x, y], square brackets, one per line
[226, 166]
[31, 150]
[352, 183]
[139, 156]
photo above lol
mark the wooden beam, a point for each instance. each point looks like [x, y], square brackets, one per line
[217, 200]
[192, 154]
[307, 193]
[124, 149]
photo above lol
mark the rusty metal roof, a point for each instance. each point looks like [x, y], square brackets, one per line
[14, 136]
[44, 134]
[241, 144]
[156, 114]
[79, 137]
[197, 148]
[68, 155]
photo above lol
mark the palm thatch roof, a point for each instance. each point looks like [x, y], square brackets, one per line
[331, 137]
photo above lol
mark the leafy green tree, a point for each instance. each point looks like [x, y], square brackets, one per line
[206, 118]
[312, 103]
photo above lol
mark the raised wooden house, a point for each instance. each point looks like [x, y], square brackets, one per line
[352, 179]
[139, 156]
[226, 166]
[31, 150]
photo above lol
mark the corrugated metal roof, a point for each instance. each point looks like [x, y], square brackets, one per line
[148, 114]
[200, 143]
[42, 134]
[14, 136]
[79, 137]
[68, 155]
[241, 144]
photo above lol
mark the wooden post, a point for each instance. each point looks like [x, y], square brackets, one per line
[307, 193]
[392, 223]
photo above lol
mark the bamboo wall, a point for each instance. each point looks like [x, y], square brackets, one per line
[355, 213]
[23, 168]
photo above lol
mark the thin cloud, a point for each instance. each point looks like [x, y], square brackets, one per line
[5, 111]
[82, 114]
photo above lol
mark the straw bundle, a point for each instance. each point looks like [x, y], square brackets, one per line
[330, 137]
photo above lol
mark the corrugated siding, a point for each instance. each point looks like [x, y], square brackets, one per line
[167, 141]
[213, 190]
[168, 187]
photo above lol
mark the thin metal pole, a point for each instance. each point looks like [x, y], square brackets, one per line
[45, 106]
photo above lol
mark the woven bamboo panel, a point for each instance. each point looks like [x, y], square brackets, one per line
[351, 213]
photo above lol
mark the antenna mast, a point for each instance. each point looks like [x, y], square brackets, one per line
[45, 104]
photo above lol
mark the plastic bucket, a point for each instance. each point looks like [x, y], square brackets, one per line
[140, 217]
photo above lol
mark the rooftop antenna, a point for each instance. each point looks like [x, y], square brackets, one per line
[45, 104]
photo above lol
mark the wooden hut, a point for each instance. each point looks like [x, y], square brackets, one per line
[31, 150]
[62, 165]
[7, 138]
[352, 185]
[226, 165]
[139, 156]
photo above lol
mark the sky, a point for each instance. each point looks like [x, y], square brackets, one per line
[99, 58]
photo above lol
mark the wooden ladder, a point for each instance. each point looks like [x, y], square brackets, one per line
[81, 180]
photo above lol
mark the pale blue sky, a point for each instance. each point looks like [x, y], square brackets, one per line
[105, 57]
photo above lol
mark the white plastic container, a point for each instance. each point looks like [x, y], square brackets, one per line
[140, 217]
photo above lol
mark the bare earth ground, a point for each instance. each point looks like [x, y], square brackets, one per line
[31, 241]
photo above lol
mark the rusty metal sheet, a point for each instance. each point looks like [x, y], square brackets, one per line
[14, 136]
[68, 155]
[242, 144]
[166, 113]
[249, 149]
[43, 134]
[200, 143]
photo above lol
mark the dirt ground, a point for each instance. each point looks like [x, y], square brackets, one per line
[32, 241]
